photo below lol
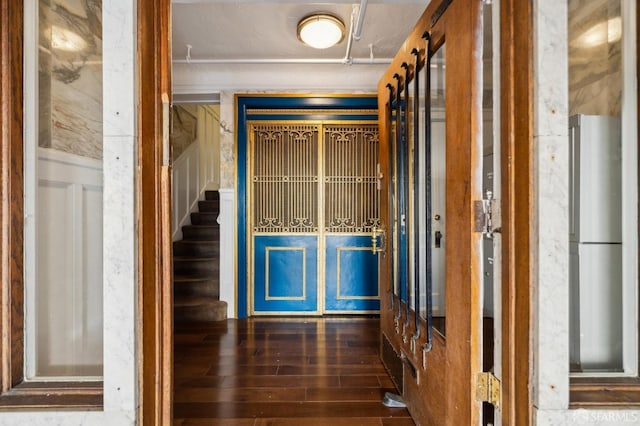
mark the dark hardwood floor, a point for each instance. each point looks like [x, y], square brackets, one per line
[289, 372]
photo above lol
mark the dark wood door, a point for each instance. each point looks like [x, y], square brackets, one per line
[431, 168]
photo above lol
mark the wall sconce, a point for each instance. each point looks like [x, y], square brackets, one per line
[321, 30]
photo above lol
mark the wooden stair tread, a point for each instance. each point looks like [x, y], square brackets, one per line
[201, 243]
[196, 266]
[191, 279]
[194, 258]
[196, 301]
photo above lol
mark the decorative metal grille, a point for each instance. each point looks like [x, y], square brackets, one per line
[350, 163]
[285, 177]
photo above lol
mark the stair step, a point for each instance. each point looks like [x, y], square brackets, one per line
[204, 218]
[201, 232]
[211, 195]
[195, 266]
[196, 248]
[196, 287]
[192, 309]
[209, 206]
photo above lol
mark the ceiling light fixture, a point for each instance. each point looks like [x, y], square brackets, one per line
[321, 30]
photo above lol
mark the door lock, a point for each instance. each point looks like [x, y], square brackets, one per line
[438, 239]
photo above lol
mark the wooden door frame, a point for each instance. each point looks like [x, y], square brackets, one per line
[516, 145]
[516, 133]
[155, 300]
[11, 194]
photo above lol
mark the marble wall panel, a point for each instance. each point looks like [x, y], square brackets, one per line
[227, 140]
[595, 61]
[70, 76]
[184, 125]
[549, 222]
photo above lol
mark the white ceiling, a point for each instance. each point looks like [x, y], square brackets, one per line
[221, 30]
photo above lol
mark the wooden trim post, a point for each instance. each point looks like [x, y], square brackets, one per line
[11, 194]
[154, 259]
[516, 80]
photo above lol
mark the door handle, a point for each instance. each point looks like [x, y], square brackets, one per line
[438, 239]
[375, 233]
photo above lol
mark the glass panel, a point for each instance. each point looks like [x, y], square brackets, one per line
[424, 147]
[403, 193]
[602, 163]
[393, 131]
[399, 195]
[438, 187]
[411, 196]
[63, 255]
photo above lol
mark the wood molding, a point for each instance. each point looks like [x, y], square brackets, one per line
[605, 392]
[11, 193]
[516, 131]
[154, 259]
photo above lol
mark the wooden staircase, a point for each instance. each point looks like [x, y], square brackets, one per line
[196, 266]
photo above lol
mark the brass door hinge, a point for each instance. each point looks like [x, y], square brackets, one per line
[488, 388]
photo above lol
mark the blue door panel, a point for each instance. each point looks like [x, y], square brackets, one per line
[285, 273]
[351, 274]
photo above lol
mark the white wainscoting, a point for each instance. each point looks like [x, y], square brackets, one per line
[228, 250]
[66, 301]
[209, 117]
[196, 170]
[185, 190]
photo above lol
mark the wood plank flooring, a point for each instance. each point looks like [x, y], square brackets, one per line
[282, 372]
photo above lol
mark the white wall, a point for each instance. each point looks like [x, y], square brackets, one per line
[203, 78]
[228, 256]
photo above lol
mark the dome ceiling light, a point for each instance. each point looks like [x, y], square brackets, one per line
[321, 30]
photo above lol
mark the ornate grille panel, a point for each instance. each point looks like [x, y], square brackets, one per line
[285, 177]
[351, 195]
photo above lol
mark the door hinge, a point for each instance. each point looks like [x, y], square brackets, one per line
[488, 388]
[487, 216]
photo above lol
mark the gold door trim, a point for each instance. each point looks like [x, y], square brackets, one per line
[339, 295]
[295, 192]
[304, 273]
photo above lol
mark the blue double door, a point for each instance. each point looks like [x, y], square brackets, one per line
[314, 209]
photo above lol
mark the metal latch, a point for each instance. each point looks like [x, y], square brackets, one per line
[488, 388]
[487, 216]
